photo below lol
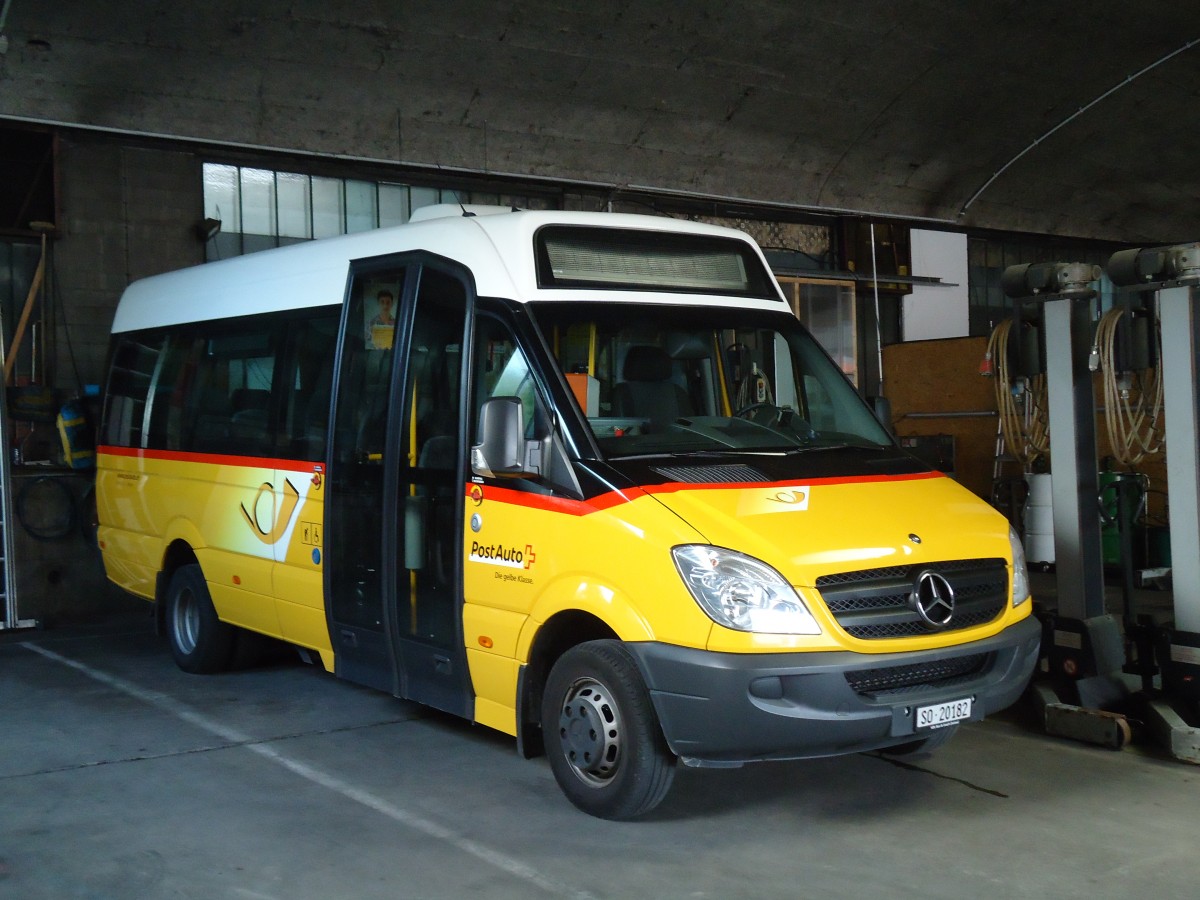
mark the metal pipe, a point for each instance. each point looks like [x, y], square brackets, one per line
[878, 324]
[1079, 112]
[964, 414]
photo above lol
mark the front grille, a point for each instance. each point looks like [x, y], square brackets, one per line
[938, 674]
[873, 604]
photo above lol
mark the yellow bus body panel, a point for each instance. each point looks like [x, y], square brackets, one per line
[497, 677]
[533, 557]
[254, 528]
[256, 532]
[831, 526]
[527, 559]
[615, 562]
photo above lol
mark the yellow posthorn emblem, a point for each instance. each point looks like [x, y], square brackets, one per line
[291, 497]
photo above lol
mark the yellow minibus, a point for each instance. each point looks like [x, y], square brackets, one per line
[579, 477]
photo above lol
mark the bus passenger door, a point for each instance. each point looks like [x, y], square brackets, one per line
[354, 498]
[394, 509]
[427, 572]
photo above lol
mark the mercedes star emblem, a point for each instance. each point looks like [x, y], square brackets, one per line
[933, 599]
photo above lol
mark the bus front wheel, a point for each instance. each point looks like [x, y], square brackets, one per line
[200, 642]
[602, 737]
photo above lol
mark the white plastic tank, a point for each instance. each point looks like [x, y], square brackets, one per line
[1039, 520]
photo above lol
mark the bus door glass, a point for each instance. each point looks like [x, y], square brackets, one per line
[394, 510]
[354, 517]
[427, 575]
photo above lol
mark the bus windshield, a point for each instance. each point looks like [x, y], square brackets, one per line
[654, 379]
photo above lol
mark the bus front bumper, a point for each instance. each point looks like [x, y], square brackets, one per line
[729, 708]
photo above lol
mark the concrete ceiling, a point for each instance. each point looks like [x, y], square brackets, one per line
[904, 109]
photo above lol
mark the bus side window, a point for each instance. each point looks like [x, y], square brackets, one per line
[308, 385]
[169, 394]
[136, 362]
[228, 403]
[503, 371]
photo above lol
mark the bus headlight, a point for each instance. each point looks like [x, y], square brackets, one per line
[741, 592]
[1020, 589]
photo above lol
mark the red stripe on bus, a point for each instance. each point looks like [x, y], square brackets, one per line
[547, 503]
[214, 459]
[671, 487]
[616, 498]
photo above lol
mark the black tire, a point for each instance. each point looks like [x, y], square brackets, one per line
[200, 642]
[46, 508]
[924, 746]
[604, 743]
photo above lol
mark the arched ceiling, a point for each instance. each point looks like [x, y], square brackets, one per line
[903, 109]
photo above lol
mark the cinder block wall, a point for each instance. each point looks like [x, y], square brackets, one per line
[126, 212]
[58, 573]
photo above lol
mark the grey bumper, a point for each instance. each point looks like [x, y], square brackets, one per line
[726, 708]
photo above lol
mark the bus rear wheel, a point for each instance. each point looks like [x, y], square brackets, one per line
[200, 642]
[603, 740]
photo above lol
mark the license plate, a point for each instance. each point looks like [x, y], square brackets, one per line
[939, 715]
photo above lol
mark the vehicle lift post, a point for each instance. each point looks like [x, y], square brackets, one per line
[1083, 643]
[1174, 274]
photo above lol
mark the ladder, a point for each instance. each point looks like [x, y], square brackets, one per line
[1008, 491]
[1001, 456]
[9, 617]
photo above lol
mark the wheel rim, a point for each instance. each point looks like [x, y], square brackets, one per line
[589, 727]
[185, 624]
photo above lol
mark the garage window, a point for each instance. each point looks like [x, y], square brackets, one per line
[263, 208]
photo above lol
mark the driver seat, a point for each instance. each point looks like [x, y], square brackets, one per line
[648, 391]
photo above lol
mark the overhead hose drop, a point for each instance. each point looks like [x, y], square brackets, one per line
[1025, 424]
[754, 389]
[1133, 400]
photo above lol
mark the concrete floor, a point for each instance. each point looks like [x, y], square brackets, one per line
[123, 777]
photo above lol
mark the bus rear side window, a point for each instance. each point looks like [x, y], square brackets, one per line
[243, 387]
[227, 399]
[135, 365]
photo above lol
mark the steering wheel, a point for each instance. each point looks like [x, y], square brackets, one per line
[750, 412]
[779, 418]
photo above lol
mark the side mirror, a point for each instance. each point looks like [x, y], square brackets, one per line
[502, 450]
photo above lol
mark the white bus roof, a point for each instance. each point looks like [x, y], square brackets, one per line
[496, 244]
